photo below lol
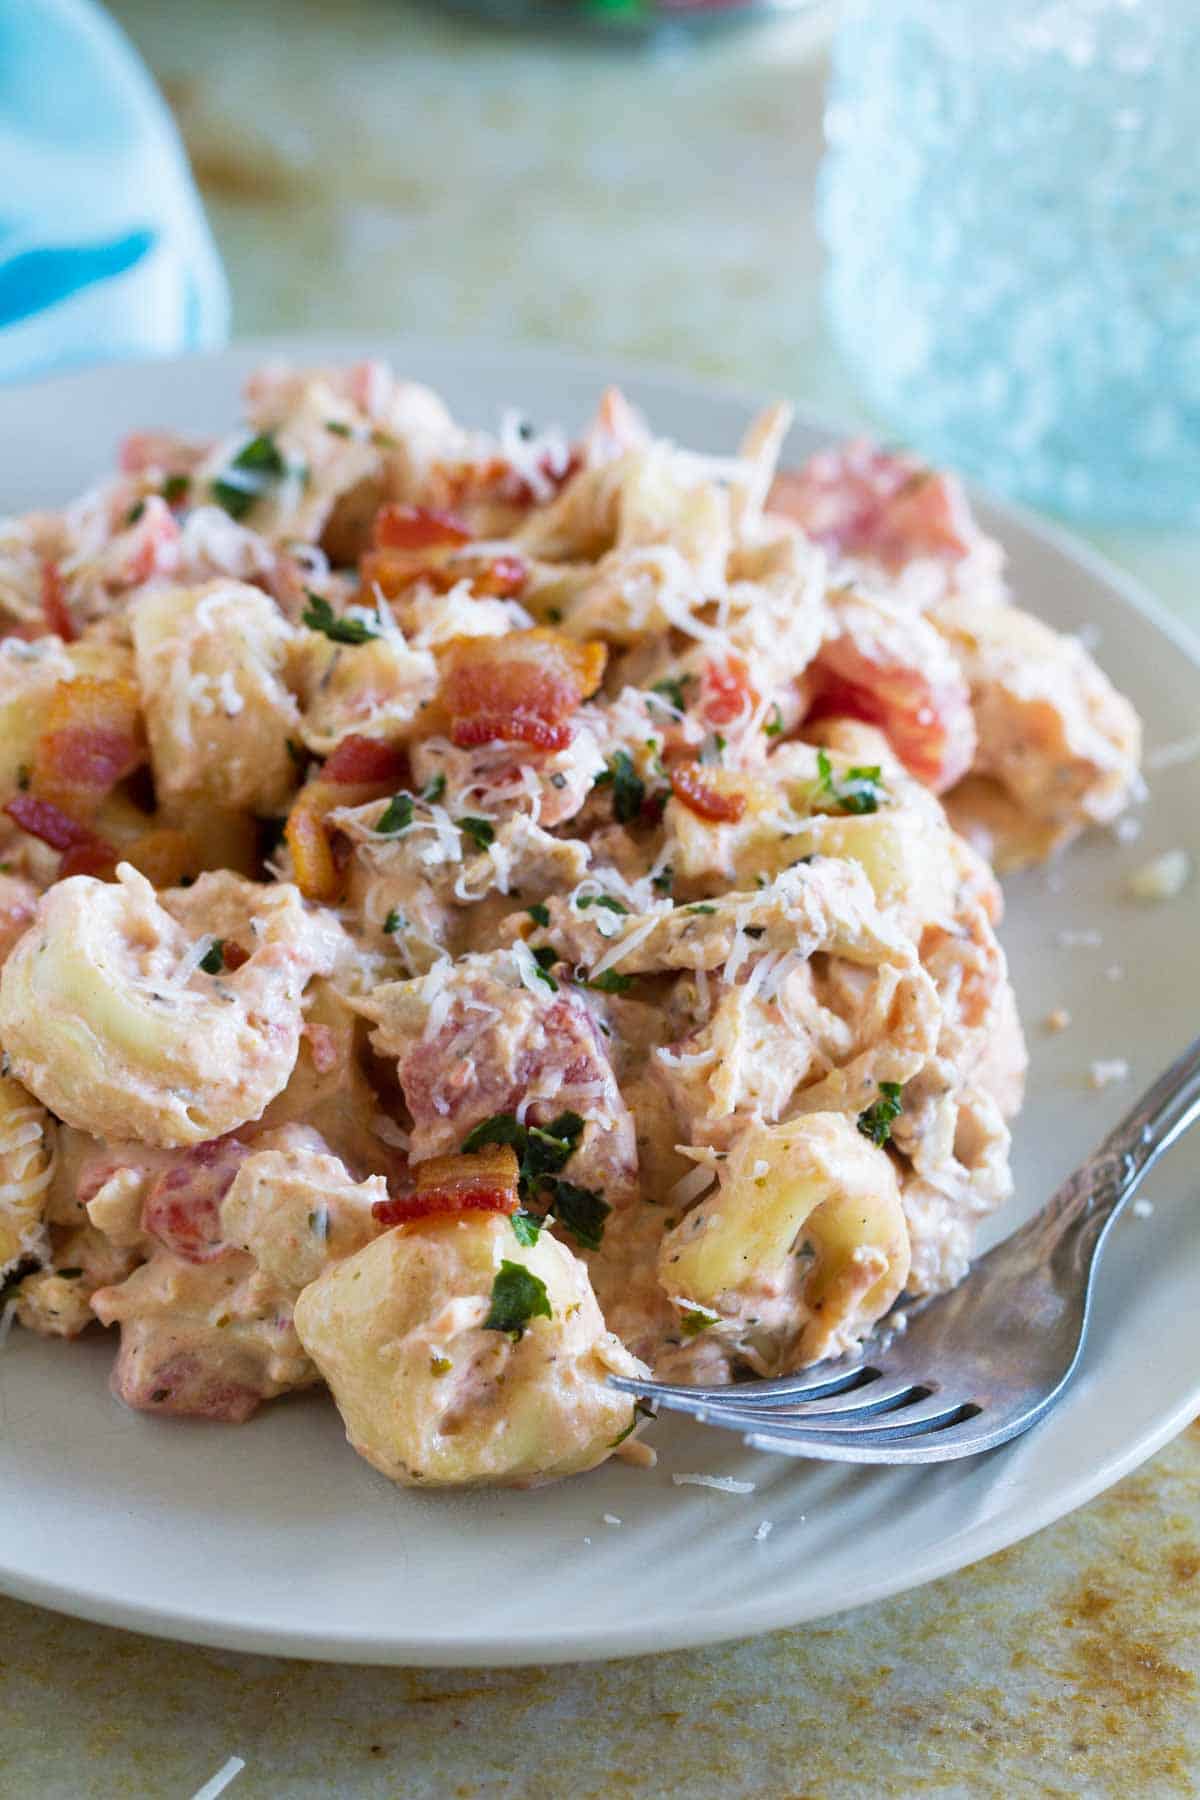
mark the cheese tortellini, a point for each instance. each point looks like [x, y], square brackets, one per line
[430, 1394]
[108, 1017]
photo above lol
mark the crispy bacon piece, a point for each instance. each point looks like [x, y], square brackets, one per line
[312, 854]
[360, 769]
[418, 528]
[726, 693]
[92, 738]
[491, 577]
[55, 610]
[519, 689]
[694, 789]
[860, 500]
[483, 1182]
[183, 1208]
[366, 760]
[42, 819]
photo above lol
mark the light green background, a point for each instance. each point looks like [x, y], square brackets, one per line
[366, 165]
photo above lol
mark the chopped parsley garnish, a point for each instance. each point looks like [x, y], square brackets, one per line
[396, 816]
[545, 958]
[640, 1411]
[255, 470]
[438, 1364]
[773, 723]
[479, 831]
[539, 913]
[712, 749]
[702, 907]
[671, 690]
[664, 881]
[527, 1226]
[69, 1274]
[518, 1295]
[213, 960]
[876, 1122]
[606, 900]
[318, 615]
[393, 922]
[434, 788]
[582, 1212]
[135, 512]
[697, 1319]
[611, 982]
[629, 790]
[338, 429]
[859, 790]
[554, 615]
[175, 489]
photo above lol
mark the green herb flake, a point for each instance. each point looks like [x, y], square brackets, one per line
[670, 688]
[256, 469]
[318, 615]
[518, 1295]
[527, 1227]
[605, 900]
[629, 790]
[439, 1365]
[858, 791]
[664, 881]
[640, 1411]
[393, 923]
[582, 1212]
[538, 913]
[338, 428]
[611, 982]
[554, 615]
[434, 788]
[396, 816]
[876, 1121]
[545, 958]
[480, 831]
[135, 512]
[175, 489]
[213, 960]
[701, 907]
[69, 1274]
[696, 1319]
[773, 723]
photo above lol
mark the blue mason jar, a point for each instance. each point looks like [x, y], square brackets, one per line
[1011, 203]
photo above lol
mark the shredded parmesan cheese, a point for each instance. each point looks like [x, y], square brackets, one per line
[216, 1784]
[1163, 877]
[722, 1484]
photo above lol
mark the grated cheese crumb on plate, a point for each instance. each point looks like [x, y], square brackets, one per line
[1127, 829]
[1105, 1071]
[764, 1531]
[1115, 972]
[216, 1784]
[1163, 877]
[1058, 1020]
[724, 1484]
[611, 1519]
[1078, 940]
[1143, 1209]
[1168, 756]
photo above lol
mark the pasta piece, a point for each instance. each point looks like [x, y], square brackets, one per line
[27, 1149]
[212, 662]
[457, 1355]
[817, 1180]
[106, 1013]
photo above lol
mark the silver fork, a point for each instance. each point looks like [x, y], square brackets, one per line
[974, 1367]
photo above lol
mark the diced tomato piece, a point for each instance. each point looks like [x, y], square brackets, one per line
[366, 760]
[183, 1208]
[693, 789]
[55, 610]
[521, 688]
[418, 528]
[486, 1181]
[725, 692]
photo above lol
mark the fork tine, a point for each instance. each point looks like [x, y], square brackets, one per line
[934, 1414]
[807, 1384]
[870, 1399]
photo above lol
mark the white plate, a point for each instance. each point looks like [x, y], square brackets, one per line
[275, 1537]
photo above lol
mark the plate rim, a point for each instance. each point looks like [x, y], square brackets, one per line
[525, 1646]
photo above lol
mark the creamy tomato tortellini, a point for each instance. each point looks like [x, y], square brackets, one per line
[483, 912]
